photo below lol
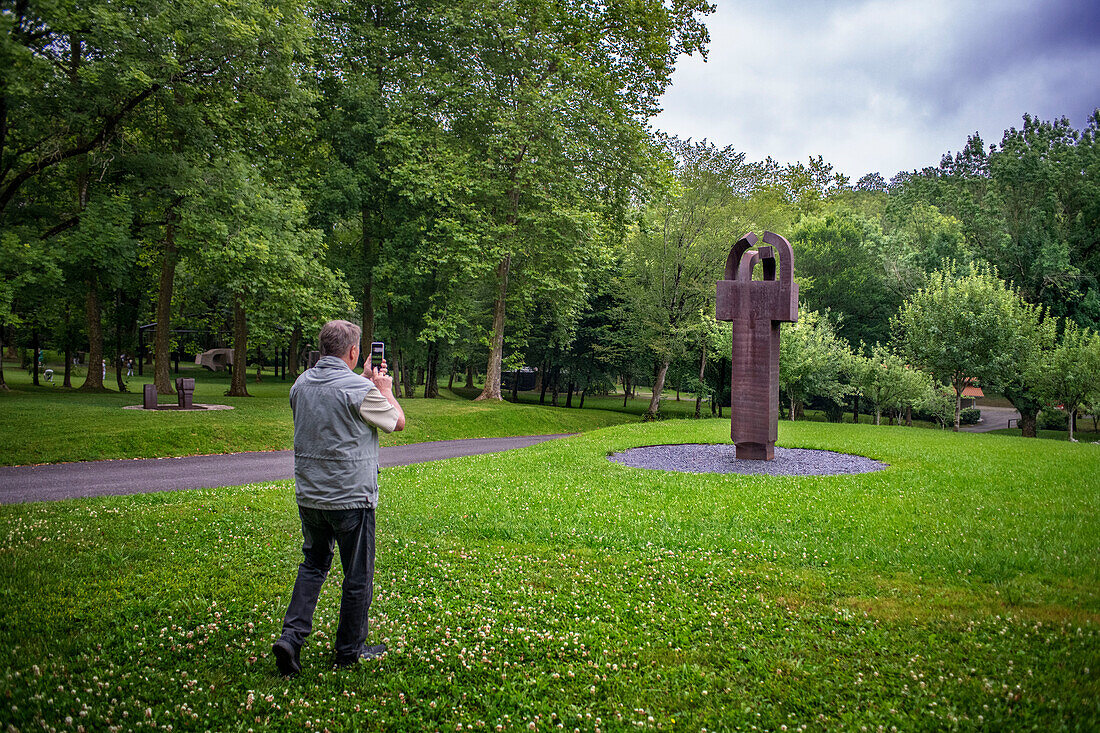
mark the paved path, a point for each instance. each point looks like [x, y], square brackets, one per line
[993, 418]
[138, 476]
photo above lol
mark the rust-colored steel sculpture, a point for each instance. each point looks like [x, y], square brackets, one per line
[756, 307]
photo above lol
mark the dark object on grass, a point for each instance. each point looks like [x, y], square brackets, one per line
[286, 658]
[149, 397]
[185, 392]
[756, 307]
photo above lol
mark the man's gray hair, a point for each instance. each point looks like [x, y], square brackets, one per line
[337, 337]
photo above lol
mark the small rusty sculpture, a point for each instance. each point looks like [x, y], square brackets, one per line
[756, 307]
[185, 393]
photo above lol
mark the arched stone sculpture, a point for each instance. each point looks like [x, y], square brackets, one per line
[756, 307]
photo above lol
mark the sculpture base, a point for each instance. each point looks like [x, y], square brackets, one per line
[718, 459]
[754, 451]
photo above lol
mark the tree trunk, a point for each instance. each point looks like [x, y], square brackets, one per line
[431, 374]
[1029, 422]
[451, 381]
[909, 416]
[366, 306]
[259, 366]
[583, 393]
[658, 387]
[3, 384]
[37, 349]
[238, 385]
[790, 410]
[162, 379]
[702, 372]
[554, 386]
[292, 351]
[958, 407]
[68, 358]
[1072, 423]
[855, 409]
[538, 377]
[407, 376]
[569, 394]
[491, 391]
[515, 386]
[118, 348]
[469, 374]
[545, 385]
[626, 389]
[94, 381]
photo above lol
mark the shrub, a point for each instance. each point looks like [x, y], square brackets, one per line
[1053, 419]
[970, 416]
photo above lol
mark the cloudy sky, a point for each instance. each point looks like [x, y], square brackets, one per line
[883, 85]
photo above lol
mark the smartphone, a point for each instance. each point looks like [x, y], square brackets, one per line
[377, 354]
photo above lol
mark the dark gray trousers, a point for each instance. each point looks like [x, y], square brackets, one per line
[353, 531]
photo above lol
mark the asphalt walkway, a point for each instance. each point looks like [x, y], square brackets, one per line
[993, 418]
[53, 481]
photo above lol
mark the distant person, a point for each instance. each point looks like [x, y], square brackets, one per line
[104, 368]
[129, 366]
[337, 415]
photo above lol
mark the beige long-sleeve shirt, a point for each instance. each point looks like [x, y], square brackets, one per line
[376, 410]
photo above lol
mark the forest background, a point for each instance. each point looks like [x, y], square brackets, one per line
[479, 186]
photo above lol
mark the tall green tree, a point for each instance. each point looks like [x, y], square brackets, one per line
[840, 269]
[1072, 374]
[961, 329]
[555, 109]
[811, 361]
[678, 252]
[253, 241]
[884, 380]
[75, 79]
[1031, 347]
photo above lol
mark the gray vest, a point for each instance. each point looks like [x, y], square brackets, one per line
[335, 452]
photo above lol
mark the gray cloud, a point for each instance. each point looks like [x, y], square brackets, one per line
[883, 85]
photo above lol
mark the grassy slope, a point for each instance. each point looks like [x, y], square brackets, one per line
[48, 424]
[959, 587]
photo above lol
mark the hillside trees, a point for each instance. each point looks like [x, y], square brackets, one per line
[1028, 207]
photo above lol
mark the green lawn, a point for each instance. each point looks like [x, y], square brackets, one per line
[548, 587]
[49, 424]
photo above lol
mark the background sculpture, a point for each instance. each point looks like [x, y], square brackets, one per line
[756, 307]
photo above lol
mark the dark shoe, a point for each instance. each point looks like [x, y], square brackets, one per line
[371, 652]
[286, 657]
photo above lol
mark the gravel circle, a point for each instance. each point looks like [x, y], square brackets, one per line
[169, 407]
[718, 458]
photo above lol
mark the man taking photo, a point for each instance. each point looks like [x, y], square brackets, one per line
[337, 416]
